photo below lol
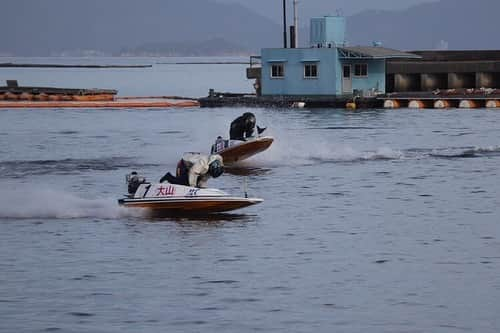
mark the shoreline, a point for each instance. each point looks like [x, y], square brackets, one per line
[13, 65]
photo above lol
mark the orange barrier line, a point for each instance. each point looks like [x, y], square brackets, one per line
[157, 97]
[97, 104]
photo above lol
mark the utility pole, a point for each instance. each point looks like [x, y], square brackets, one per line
[284, 24]
[296, 23]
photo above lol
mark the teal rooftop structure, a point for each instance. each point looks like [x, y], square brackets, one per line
[328, 30]
[328, 67]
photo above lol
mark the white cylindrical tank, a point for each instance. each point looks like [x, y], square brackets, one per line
[441, 104]
[391, 104]
[492, 104]
[467, 104]
[416, 104]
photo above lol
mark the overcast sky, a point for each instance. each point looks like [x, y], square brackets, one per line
[310, 8]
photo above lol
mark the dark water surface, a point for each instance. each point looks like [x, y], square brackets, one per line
[373, 221]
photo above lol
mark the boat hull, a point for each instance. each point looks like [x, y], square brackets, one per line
[191, 205]
[168, 198]
[245, 149]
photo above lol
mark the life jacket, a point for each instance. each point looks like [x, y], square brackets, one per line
[182, 173]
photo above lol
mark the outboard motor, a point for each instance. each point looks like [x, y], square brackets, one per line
[133, 182]
[219, 145]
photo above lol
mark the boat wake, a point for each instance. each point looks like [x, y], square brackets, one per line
[27, 203]
[296, 154]
[465, 152]
[69, 166]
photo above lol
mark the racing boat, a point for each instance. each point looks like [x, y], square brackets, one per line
[172, 199]
[233, 151]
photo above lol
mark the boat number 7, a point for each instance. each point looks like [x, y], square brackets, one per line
[192, 192]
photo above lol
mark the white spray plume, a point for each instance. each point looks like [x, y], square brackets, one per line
[29, 202]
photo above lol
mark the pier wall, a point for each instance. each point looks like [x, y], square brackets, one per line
[444, 70]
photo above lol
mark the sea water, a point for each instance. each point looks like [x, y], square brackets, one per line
[372, 221]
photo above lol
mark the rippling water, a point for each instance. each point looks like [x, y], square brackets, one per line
[373, 221]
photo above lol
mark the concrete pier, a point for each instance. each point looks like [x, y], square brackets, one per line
[433, 81]
[443, 70]
[485, 80]
[406, 82]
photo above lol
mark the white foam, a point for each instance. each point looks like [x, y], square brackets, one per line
[29, 202]
[291, 150]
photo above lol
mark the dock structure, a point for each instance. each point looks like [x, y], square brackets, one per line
[13, 96]
[14, 92]
[444, 79]
[332, 73]
[446, 99]
[443, 70]
[221, 99]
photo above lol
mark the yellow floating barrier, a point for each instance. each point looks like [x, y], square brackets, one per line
[350, 106]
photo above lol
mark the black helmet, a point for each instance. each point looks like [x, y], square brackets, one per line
[249, 119]
[215, 168]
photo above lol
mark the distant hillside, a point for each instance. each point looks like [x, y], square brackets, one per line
[453, 24]
[212, 47]
[313, 8]
[36, 27]
[207, 27]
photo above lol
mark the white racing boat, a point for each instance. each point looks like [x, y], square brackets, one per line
[172, 199]
[233, 151]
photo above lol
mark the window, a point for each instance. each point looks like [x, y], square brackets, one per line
[277, 71]
[310, 71]
[360, 70]
[347, 71]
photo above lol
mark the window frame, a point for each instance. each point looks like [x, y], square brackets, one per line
[310, 65]
[360, 66]
[277, 65]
